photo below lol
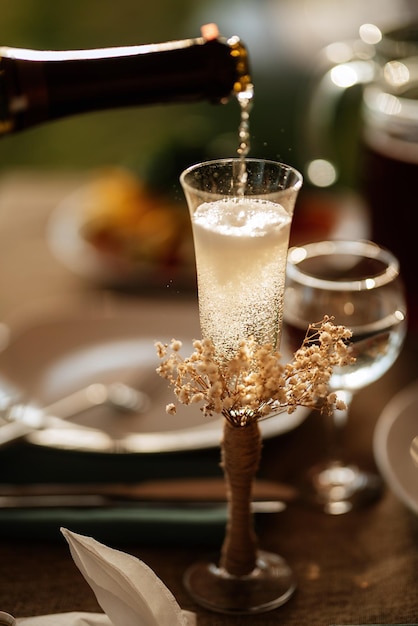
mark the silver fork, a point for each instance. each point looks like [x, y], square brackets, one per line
[19, 420]
[116, 395]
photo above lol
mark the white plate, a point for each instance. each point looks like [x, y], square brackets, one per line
[61, 354]
[394, 432]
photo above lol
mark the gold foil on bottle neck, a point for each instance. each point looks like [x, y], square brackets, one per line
[240, 54]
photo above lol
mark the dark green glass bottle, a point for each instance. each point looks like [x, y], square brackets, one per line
[40, 86]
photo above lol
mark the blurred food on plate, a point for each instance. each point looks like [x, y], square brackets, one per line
[125, 219]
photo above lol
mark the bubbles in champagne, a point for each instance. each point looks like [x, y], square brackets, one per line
[241, 247]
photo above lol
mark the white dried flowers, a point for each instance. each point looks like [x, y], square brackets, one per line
[254, 383]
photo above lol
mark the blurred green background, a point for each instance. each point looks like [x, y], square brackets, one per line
[284, 38]
[145, 137]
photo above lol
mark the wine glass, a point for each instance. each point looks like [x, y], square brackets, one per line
[241, 213]
[358, 283]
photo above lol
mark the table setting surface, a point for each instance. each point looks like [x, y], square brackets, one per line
[356, 568]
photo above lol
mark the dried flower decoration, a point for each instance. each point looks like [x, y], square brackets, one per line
[254, 384]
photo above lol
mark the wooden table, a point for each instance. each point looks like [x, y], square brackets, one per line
[358, 568]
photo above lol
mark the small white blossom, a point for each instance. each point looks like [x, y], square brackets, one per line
[176, 345]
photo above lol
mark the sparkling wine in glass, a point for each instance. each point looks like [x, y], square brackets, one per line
[358, 283]
[241, 237]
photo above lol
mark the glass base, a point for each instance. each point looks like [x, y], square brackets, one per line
[338, 488]
[267, 587]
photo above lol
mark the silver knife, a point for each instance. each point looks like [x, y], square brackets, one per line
[205, 491]
[98, 501]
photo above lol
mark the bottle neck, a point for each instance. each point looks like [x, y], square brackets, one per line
[38, 86]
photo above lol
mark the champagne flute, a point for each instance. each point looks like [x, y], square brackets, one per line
[358, 283]
[241, 213]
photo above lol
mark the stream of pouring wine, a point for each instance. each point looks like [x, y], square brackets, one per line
[245, 100]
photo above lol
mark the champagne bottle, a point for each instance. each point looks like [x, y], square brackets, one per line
[39, 86]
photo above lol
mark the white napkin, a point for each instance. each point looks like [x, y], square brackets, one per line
[127, 590]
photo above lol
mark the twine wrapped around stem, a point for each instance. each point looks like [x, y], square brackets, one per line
[241, 452]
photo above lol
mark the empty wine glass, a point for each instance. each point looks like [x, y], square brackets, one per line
[358, 283]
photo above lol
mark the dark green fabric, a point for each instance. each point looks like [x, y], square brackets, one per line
[162, 526]
[25, 463]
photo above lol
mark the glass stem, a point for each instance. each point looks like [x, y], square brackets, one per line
[336, 446]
